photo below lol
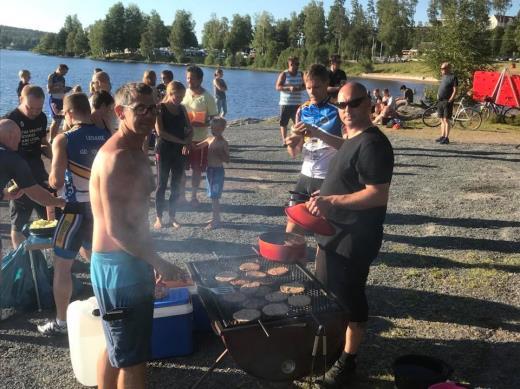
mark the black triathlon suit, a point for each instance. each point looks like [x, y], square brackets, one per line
[32, 131]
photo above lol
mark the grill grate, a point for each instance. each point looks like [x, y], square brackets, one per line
[204, 275]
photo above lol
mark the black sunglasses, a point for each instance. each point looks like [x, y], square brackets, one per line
[354, 103]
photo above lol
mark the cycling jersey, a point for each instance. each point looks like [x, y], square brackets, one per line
[83, 143]
[316, 153]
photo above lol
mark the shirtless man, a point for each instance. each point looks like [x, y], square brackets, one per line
[123, 257]
[56, 88]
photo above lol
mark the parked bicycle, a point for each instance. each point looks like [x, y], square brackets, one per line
[502, 113]
[467, 116]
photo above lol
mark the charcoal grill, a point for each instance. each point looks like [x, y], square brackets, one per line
[276, 348]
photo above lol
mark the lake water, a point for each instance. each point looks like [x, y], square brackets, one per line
[251, 94]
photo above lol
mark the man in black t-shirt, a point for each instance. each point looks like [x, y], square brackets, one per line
[57, 89]
[33, 124]
[337, 77]
[353, 197]
[16, 169]
[407, 97]
[446, 95]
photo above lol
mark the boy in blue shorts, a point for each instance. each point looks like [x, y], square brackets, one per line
[218, 153]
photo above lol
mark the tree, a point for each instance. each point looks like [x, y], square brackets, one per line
[395, 24]
[240, 33]
[337, 24]
[462, 38]
[81, 45]
[61, 41]
[134, 26]
[70, 46]
[96, 38]
[47, 44]
[182, 35]
[501, 6]
[158, 31]
[357, 44]
[496, 40]
[146, 45]
[314, 24]
[264, 33]
[296, 30]
[114, 29]
[508, 46]
[214, 33]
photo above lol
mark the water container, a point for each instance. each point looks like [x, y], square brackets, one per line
[86, 339]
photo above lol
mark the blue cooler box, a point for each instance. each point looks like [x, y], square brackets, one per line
[172, 325]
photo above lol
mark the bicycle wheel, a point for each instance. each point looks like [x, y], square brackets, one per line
[430, 117]
[469, 119]
[512, 116]
[485, 112]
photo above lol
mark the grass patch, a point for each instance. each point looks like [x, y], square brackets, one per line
[477, 278]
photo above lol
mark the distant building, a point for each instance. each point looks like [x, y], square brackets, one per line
[500, 21]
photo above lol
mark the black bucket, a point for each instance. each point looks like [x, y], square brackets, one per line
[419, 371]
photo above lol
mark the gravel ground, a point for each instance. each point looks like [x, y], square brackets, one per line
[446, 282]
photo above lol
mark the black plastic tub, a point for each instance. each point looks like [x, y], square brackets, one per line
[419, 371]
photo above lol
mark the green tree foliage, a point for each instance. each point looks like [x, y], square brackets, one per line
[215, 32]
[97, 38]
[182, 34]
[263, 33]
[47, 44]
[19, 38]
[462, 38]
[114, 28]
[81, 44]
[296, 30]
[501, 6]
[496, 40]
[147, 45]
[357, 44]
[133, 27]
[158, 30]
[395, 24]
[337, 25]
[240, 33]
[314, 24]
[508, 46]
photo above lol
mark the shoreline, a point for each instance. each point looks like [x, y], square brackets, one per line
[397, 77]
[369, 76]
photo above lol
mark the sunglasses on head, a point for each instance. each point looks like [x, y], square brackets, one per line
[353, 103]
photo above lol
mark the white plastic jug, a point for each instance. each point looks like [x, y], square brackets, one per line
[86, 339]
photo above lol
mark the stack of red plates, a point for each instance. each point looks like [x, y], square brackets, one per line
[300, 215]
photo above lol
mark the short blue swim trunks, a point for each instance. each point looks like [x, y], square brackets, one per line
[124, 289]
[56, 106]
[215, 181]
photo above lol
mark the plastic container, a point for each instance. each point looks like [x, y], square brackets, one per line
[86, 339]
[172, 331]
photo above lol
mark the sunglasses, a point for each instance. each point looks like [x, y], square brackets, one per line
[143, 109]
[354, 103]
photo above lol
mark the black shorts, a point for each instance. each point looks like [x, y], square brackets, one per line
[74, 231]
[445, 109]
[21, 210]
[307, 184]
[346, 278]
[288, 112]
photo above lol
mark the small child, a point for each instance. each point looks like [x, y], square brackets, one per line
[220, 89]
[218, 153]
[25, 76]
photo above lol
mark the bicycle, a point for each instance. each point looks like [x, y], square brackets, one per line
[502, 113]
[468, 117]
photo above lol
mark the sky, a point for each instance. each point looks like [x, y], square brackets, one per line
[49, 16]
